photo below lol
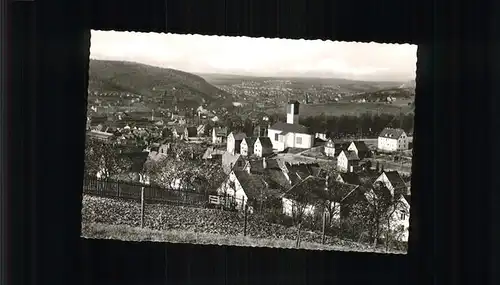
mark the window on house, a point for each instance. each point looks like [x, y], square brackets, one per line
[276, 137]
[239, 163]
[298, 140]
[403, 216]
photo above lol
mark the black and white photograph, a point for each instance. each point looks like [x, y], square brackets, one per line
[253, 142]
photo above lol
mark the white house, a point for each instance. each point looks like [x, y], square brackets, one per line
[393, 140]
[360, 148]
[291, 133]
[219, 135]
[400, 220]
[234, 141]
[232, 162]
[263, 147]
[393, 181]
[347, 161]
[247, 146]
[242, 188]
[329, 148]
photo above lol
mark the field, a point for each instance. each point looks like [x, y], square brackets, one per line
[120, 232]
[339, 109]
[120, 219]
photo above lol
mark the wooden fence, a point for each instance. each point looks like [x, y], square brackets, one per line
[132, 191]
[152, 194]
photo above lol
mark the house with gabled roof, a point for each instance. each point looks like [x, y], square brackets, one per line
[329, 148]
[244, 188]
[348, 178]
[360, 148]
[347, 161]
[247, 146]
[213, 153]
[344, 196]
[391, 140]
[263, 147]
[394, 182]
[219, 135]
[232, 161]
[298, 172]
[306, 197]
[234, 142]
[399, 218]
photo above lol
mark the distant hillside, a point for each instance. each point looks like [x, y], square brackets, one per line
[150, 81]
[338, 84]
[398, 93]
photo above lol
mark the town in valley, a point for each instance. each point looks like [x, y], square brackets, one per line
[315, 163]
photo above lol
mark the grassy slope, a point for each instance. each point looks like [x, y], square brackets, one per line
[121, 232]
[109, 76]
[119, 219]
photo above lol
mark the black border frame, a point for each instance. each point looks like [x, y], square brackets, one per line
[46, 113]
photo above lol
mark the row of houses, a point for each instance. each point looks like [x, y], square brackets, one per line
[250, 182]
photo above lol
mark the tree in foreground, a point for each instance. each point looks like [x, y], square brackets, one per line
[103, 160]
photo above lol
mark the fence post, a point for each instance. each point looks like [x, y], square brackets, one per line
[246, 217]
[297, 243]
[142, 207]
[323, 233]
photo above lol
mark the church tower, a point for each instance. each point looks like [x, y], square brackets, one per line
[292, 112]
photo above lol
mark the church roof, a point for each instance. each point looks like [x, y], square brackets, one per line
[290, 128]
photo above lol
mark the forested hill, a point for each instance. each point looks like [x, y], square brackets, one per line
[150, 81]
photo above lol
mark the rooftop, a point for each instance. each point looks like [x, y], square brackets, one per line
[391, 133]
[290, 128]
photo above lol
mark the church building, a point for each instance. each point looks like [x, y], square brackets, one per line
[290, 134]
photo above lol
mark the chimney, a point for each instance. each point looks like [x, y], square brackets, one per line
[264, 163]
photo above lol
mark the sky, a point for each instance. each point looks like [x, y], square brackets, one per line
[259, 56]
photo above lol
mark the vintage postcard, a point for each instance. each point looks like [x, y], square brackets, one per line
[255, 142]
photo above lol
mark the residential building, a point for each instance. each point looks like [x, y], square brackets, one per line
[329, 149]
[245, 189]
[260, 130]
[394, 182]
[213, 153]
[290, 134]
[391, 140]
[263, 147]
[219, 135]
[349, 178]
[360, 148]
[299, 201]
[234, 142]
[347, 161]
[247, 146]
[400, 219]
[232, 161]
